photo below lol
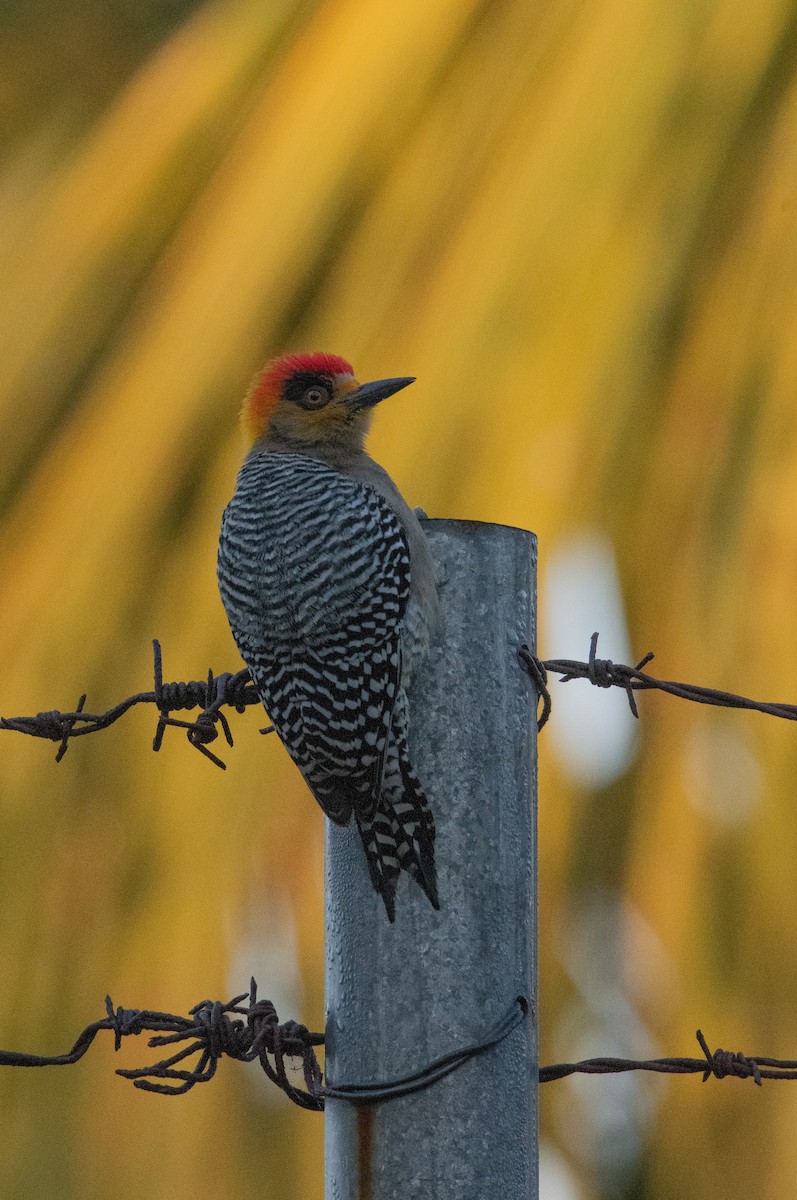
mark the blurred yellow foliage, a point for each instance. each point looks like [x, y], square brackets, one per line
[577, 225]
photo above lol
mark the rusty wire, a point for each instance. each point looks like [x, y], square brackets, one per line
[211, 1030]
[720, 1064]
[249, 1032]
[603, 673]
[236, 691]
[212, 695]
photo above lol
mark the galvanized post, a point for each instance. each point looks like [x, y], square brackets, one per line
[399, 996]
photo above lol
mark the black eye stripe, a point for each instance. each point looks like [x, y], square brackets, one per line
[299, 385]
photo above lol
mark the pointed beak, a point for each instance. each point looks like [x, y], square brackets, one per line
[369, 394]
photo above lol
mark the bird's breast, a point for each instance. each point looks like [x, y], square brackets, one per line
[305, 552]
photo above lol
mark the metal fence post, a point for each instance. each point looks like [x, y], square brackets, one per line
[401, 996]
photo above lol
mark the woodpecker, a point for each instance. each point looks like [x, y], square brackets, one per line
[331, 594]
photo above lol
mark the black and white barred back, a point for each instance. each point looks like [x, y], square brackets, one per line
[314, 572]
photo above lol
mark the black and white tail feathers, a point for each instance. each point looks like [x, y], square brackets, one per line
[376, 785]
[391, 812]
[400, 836]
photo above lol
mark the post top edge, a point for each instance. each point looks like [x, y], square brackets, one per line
[454, 525]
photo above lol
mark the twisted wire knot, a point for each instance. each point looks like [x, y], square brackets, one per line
[262, 1019]
[725, 1063]
[602, 672]
[171, 697]
[203, 730]
[220, 1034]
[232, 689]
[52, 724]
[721, 1063]
[124, 1022]
[535, 669]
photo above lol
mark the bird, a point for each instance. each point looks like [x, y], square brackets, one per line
[331, 593]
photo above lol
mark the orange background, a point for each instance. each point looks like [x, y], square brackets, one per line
[576, 225]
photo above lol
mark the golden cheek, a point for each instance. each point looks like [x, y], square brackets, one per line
[320, 424]
[331, 416]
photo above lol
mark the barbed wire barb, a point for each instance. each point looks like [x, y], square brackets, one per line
[231, 690]
[719, 1064]
[603, 673]
[252, 1031]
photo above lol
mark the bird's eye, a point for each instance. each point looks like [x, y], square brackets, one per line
[315, 397]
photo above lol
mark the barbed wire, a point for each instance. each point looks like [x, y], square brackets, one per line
[227, 690]
[719, 1063]
[603, 673]
[212, 1030]
[236, 691]
[249, 1032]
[252, 1032]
